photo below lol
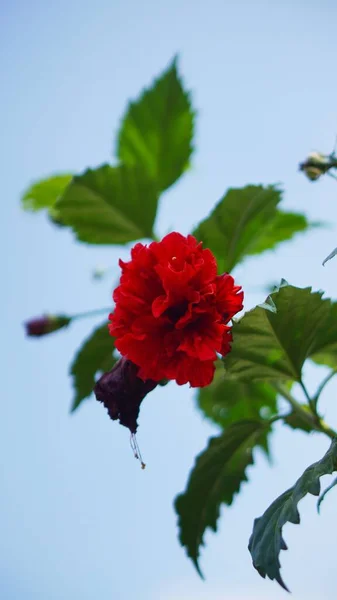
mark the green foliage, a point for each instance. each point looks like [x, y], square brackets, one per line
[246, 221]
[227, 399]
[157, 130]
[282, 227]
[94, 356]
[272, 341]
[266, 541]
[44, 193]
[118, 205]
[325, 350]
[214, 480]
[110, 205]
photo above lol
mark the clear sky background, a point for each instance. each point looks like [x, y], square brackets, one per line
[78, 517]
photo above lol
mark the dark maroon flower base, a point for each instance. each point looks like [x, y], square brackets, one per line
[122, 392]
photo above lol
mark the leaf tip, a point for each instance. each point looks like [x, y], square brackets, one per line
[330, 256]
[199, 571]
[74, 406]
[175, 61]
[282, 584]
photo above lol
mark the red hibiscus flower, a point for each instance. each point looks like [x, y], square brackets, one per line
[172, 310]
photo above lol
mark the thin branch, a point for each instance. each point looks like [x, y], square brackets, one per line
[309, 399]
[314, 421]
[92, 313]
[322, 386]
[278, 418]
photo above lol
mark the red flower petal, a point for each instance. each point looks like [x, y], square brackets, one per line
[172, 310]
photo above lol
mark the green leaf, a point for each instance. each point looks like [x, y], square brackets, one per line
[325, 351]
[157, 130]
[227, 399]
[110, 205]
[273, 344]
[266, 541]
[281, 228]
[214, 480]
[246, 221]
[94, 356]
[44, 193]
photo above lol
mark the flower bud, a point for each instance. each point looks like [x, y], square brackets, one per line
[312, 173]
[122, 391]
[47, 324]
[315, 165]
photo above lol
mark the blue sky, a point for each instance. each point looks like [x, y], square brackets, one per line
[79, 519]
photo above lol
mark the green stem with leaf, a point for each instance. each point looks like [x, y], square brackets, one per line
[312, 418]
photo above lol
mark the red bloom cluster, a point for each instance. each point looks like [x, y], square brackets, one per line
[172, 310]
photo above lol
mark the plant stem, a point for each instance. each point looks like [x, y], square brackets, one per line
[312, 419]
[309, 399]
[92, 313]
[322, 386]
[278, 418]
[321, 425]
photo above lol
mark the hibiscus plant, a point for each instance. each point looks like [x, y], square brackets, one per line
[174, 315]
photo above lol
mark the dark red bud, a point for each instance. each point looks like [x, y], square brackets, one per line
[47, 324]
[122, 392]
